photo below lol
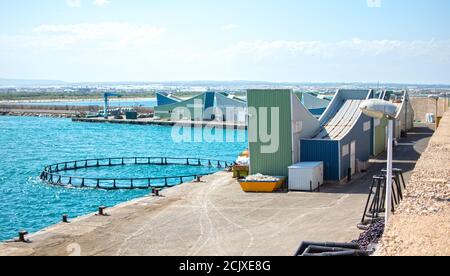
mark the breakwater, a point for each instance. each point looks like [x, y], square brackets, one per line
[65, 111]
[151, 121]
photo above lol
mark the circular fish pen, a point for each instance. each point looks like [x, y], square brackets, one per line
[59, 174]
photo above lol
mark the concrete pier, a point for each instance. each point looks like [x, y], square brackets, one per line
[151, 121]
[215, 217]
[210, 218]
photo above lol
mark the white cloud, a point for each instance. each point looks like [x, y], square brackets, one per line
[73, 3]
[109, 35]
[229, 27]
[346, 48]
[101, 2]
[374, 3]
[121, 51]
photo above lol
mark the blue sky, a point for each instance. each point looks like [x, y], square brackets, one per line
[282, 40]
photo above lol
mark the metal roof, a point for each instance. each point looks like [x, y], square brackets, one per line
[341, 120]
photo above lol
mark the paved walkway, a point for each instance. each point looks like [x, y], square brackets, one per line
[213, 218]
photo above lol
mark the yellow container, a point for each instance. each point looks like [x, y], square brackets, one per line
[240, 171]
[438, 121]
[261, 186]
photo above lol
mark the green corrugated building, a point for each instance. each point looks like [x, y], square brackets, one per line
[379, 142]
[295, 122]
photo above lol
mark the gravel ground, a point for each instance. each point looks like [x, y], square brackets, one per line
[421, 225]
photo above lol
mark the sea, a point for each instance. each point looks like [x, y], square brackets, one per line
[28, 144]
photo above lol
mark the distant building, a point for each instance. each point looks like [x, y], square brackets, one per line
[198, 108]
[343, 141]
[165, 99]
[230, 108]
[343, 138]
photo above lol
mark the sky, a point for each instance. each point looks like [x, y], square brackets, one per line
[388, 41]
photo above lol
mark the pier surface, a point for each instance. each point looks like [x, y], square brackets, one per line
[216, 218]
[211, 218]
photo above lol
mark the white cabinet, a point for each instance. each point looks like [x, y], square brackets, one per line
[306, 176]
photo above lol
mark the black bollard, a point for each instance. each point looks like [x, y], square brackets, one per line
[101, 211]
[65, 219]
[22, 235]
[156, 192]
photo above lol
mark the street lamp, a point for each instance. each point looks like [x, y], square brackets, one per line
[445, 96]
[436, 98]
[380, 109]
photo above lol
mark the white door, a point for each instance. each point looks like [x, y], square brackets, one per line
[353, 157]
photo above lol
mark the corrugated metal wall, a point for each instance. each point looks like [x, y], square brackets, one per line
[232, 109]
[322, 150]
[380, 136]
[361, 136]
[275, 164]
[165, 111]
[164, 99]
[208, 111]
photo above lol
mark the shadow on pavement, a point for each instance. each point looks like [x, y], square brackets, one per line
[406, 155]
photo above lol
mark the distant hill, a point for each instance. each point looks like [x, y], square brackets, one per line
[212, 84]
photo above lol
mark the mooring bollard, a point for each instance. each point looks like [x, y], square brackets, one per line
[65, 219]
[156, 192]
[198, 179]
[22, 235]
[101, 211]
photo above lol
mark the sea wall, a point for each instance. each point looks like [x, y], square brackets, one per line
[421, 224]
[6, 107]
[422, 106]
[56, 110]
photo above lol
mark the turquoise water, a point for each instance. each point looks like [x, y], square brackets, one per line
[29, 144]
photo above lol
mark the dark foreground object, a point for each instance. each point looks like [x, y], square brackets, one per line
[330, 249]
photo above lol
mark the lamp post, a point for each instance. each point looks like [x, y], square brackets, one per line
[436, 98]
[106, 97]
[380, 109]
[445, 97]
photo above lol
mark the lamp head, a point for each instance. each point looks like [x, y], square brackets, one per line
[434, 97]
[379, 109]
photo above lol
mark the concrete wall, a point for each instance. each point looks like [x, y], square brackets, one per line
[422, 106]
[50, 107]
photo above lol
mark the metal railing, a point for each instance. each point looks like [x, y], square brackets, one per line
[55, 174]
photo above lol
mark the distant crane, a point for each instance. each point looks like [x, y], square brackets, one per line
[106, 107]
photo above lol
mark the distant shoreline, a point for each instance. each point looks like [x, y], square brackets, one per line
[76, 100]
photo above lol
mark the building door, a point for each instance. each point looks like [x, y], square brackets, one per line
[353, 157]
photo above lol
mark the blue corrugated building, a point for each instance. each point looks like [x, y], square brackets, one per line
[165, 99]
[343, 141]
